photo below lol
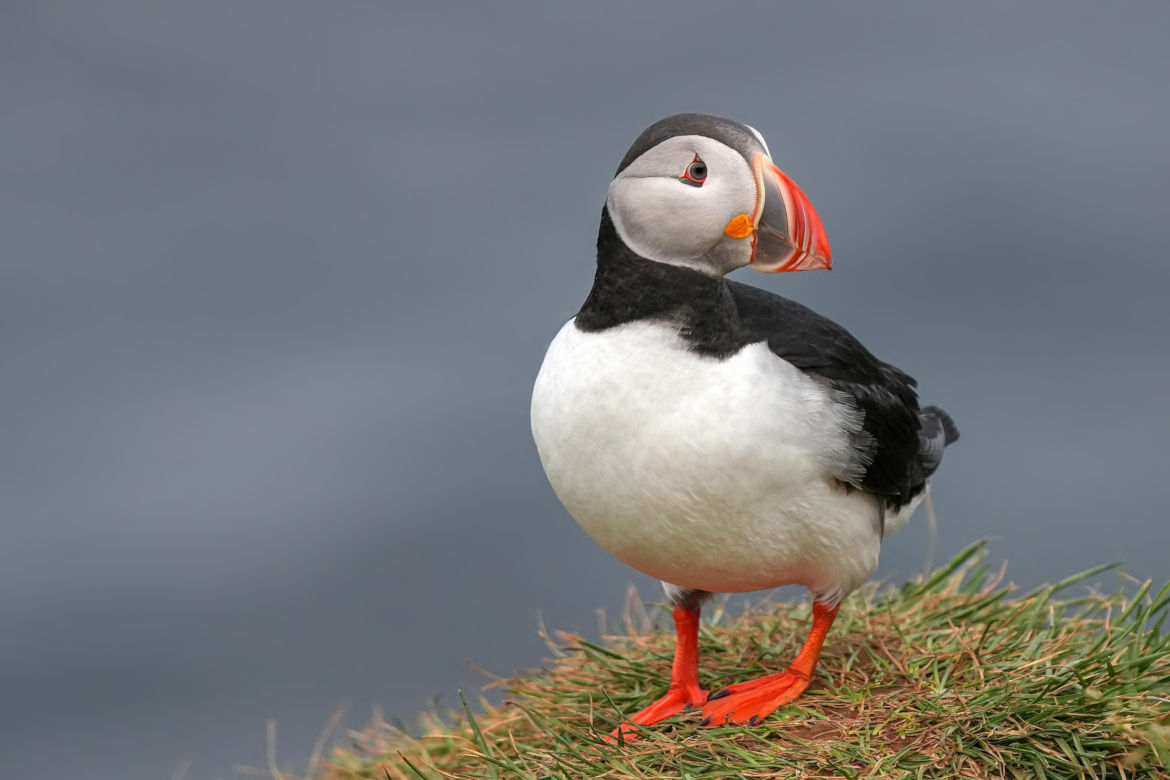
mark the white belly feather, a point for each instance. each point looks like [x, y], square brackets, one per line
[705, 473]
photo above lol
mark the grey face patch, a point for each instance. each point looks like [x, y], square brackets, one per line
[665, 218]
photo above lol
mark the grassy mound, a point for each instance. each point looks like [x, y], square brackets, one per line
[945, 677]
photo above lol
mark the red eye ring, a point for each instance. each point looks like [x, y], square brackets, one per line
[695, 174]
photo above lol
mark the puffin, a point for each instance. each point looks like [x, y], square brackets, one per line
[716, 436]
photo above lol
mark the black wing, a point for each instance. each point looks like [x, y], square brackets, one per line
[890, 447]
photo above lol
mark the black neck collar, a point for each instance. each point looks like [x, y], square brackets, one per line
[628, 287]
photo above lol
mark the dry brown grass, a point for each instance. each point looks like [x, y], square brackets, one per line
[946, 677]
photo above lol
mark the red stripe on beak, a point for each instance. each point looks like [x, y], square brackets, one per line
[789, 232]
[808, 234]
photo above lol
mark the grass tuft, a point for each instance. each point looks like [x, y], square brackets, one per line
[945, 677]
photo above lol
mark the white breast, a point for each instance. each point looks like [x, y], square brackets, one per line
[706, 473]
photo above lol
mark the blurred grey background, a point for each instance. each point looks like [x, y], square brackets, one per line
[276, 277]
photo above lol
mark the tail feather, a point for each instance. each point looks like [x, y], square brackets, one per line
[944, 419]
[938, 430]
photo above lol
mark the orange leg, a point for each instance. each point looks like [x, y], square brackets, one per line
[748, 702]
[684, 691]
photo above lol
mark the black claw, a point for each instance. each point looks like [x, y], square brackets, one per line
[705, 722]
[719, 694]
[753, 720]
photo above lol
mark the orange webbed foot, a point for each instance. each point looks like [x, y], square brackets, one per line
[751, 701]
[676, 700]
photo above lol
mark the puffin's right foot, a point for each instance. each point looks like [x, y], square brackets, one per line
[684, 689]
[677, 699]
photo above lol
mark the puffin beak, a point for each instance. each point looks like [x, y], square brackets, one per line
[787, 234]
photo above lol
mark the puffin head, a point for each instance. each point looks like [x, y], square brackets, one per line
[702, 192]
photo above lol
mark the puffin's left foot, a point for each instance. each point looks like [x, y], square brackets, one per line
[749, 702]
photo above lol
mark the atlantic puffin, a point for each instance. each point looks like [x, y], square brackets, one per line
[714, 435]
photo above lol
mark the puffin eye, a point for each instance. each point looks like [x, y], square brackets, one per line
[695, 174]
